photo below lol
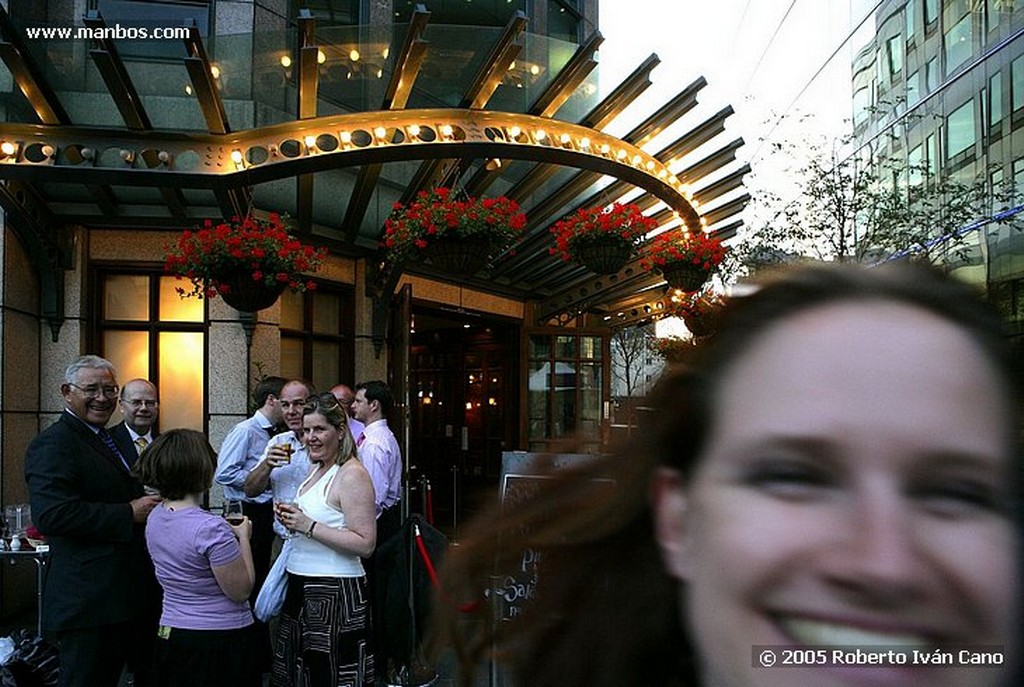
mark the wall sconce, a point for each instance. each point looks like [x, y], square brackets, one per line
[321, 57]
[353, 55]
[286, 61]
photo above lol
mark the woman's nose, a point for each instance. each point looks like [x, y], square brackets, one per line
[876, 552]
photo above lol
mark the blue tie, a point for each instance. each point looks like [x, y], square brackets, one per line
[109, 441]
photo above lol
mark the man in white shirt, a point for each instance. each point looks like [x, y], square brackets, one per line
[379, 452]
[281, 471]
[140, 407]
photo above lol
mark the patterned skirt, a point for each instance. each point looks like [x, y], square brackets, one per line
[323, 639]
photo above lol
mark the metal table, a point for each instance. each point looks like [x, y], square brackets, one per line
[41, 558]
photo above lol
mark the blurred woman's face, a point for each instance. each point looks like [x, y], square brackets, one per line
[321, 438]
[853, 493]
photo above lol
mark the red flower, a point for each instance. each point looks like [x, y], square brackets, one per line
[435, 214]
[261, 247]
[624, 223]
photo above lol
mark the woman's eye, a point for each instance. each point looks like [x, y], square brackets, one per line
[957, 496]
[788, 478]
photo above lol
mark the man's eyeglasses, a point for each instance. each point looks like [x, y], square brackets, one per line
[138, 403]
[97, 391]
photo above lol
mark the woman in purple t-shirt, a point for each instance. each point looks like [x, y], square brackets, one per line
[204, 565]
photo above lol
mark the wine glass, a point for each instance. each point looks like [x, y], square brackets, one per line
[233, 511]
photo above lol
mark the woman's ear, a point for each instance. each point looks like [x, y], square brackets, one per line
[669, 506]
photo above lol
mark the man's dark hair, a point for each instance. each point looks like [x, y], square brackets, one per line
[376, 390]
[178, 463]
[268, 386]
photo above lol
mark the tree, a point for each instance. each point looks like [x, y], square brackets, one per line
[631, 353]
[845, 209]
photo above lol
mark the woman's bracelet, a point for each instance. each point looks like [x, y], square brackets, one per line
[309, 532]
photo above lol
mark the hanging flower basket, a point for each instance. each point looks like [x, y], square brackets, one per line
[457, 236]
[685, 276]
[674, 349]
[249, 262]
[602, 240]
[603, 255]
[698, 311]
[457, 255]
[243, 293]
[685, 259]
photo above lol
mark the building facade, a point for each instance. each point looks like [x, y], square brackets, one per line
[118, 143]
[939, 89]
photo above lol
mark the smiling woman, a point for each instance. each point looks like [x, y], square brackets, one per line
[838, 472]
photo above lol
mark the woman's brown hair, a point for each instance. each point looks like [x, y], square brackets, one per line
[605, 613]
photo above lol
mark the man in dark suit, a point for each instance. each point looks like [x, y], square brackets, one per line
[100, 591]
[140, 407]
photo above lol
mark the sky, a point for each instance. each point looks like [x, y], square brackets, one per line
[763, 57]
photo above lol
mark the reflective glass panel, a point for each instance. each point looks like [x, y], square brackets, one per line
[126, 297]
[174, 308]
[182, 380]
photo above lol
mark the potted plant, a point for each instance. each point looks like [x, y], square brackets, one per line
[698, 311]
[247, 262]
[674, 349]
[602, 239]
[458, 236]
[685, 259]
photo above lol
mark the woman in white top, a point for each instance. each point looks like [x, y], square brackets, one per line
[324, 635]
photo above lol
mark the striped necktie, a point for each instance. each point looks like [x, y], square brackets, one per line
[109, 441]
[140, 444]
[361, 439]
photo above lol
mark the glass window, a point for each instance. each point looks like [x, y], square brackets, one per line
[147, 330]
[1017, 88]
[908, 15]
[182, 378]
[995, 186]
[995, 98]
[933, 155]
[931, 75]
[958, 43]
[861, 105]
[126, 297]
[913, 88]
[565, 379]
[931, 11]
[476, 13]
[894, 52]
[564, 20]
[960, 129]
[915, 166]
[329, 12]
[565, 346]
[1018, 180]
[174, 308]
[317, 335]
